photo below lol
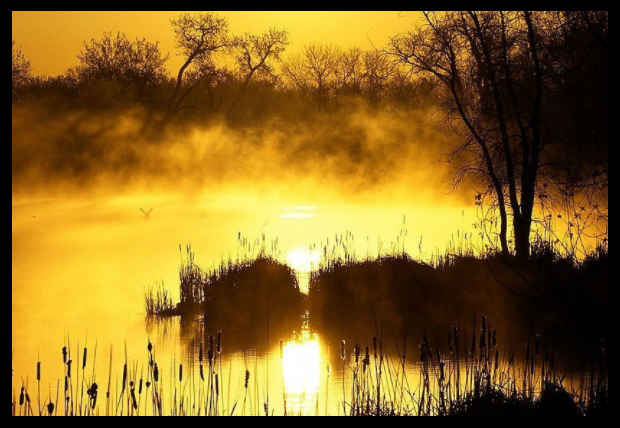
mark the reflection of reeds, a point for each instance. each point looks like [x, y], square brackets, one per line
[457, 380]
[494, 385]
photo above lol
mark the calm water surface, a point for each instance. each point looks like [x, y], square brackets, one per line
[81, 267]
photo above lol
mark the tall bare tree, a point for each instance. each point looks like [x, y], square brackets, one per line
[489, 64]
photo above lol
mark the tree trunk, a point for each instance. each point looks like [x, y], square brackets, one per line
[503, 229]
[522, 225]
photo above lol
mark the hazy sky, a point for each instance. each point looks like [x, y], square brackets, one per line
[52, 40]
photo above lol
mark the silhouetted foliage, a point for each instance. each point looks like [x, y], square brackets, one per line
[20, 70]
[398, 297]
[501, 82]
[118, 59]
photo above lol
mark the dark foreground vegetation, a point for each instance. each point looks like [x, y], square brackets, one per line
[552, 295]
[471, 376]
[248, 296]
[564, 301]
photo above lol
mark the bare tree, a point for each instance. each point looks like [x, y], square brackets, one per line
[378, 68]
[115, 57]
[349, 71]
[489, 64]
[256, 52]
[197, 37]
[314, 70]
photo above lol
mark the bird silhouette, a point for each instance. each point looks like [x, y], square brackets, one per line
[147, 214]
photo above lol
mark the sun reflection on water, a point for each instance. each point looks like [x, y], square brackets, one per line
[301, 361]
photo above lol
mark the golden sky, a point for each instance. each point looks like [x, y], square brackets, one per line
[52, 40]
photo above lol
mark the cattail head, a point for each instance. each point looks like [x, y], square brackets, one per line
[21, 397]
[366, 360]
[155, 372]
[180, 372]
[247, 378]
[140, 387]
[200, 352]
[425, 351]
[84, 358]
[219, 342]
[50, 408]
[38, 370]
[134, 402]
[64, 355]
[92, 394]
[356, 350]
[149, 346]
[217, 384]
[69, 368]
[124, 376]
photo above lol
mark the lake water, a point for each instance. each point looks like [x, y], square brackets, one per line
[81, 267]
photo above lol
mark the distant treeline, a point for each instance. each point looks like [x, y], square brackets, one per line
[243, 80]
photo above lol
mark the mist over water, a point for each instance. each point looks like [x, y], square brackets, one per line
[81, 265]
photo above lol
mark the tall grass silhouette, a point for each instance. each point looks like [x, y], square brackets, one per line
[471, 376]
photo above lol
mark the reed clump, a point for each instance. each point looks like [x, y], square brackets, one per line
[250, 292]
[395, 294]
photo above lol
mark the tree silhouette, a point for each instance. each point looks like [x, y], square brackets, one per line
[257, 51]
[349, 71]
[197, 37]
[20, 69]
[490, 66]
[378, 68]
[314, 70]
[115, 57]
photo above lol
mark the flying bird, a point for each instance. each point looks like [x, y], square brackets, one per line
[147, 214]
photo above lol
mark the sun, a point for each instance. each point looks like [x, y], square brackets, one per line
[302, 259]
